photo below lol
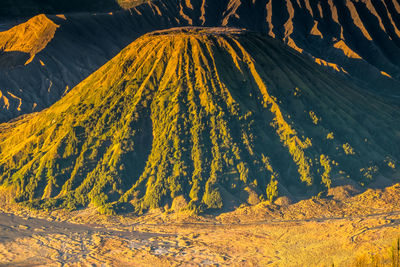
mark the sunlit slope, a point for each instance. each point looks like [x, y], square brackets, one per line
[213, 116]
[45, 57]
[30, 38]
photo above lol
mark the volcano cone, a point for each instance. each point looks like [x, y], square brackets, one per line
[214, 117]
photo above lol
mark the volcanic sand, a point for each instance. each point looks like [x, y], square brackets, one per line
[315, 232]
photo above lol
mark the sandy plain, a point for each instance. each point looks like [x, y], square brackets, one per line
[315, 232]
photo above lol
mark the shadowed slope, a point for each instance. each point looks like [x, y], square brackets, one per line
[26, 8]
[213, 116]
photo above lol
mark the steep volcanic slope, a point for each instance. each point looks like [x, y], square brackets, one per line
[356, 38]
[217, 117]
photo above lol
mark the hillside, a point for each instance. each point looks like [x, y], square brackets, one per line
[26, 8]
[360, 39]
[45, 57]
[200, 119]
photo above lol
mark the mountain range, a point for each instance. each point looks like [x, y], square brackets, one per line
[359, 39]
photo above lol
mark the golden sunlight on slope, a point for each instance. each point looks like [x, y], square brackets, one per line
[127, 4]
[358, 22]
[8, 98]
[346, 50]
[315, 31]
[4, 101]
[385, 74]
[330, 65]
[30, 37]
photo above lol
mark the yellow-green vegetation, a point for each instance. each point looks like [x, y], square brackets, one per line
[370, 171]
[314, 117]
[390, 257]
[390, 162]
[326, 164]
[199, 114]
[348, 149]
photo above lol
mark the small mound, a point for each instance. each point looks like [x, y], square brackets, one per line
[342, 192]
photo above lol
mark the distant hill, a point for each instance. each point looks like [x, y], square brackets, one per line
[26, 8]
[207, 118]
